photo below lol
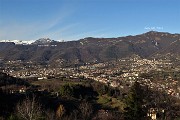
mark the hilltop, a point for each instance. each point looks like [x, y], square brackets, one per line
[147, 45]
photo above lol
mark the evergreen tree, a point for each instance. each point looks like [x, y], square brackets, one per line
[134, 103]
[66, 90]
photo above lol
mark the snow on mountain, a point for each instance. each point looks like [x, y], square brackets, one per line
[43, 41]
[19, 42]
[40, 41]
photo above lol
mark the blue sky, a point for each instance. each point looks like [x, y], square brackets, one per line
[75, 19]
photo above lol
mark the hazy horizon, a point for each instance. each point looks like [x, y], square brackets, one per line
[30, 41]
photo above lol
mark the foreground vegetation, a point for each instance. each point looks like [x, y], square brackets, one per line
[81, 100]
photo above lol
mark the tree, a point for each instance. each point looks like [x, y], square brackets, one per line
[86, 110]
[108, 115]
[29, 109]
[12, 117]
[60, 111]
[134, 103]
[50, 115]
[66, 90]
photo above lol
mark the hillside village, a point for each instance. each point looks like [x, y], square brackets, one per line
[103, 70]
[122, 73]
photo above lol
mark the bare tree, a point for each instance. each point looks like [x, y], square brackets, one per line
[29, 109]
[86, 110]
[50, 115]
[108, 115]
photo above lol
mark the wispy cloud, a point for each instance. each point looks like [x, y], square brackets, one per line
[37, 28]
[60, 34]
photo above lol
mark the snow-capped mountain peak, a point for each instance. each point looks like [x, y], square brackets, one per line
[43, 41]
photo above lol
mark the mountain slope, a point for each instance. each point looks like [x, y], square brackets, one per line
[93, 49]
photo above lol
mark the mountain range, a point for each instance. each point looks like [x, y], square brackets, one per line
[152, 44]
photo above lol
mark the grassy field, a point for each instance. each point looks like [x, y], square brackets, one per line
[110, 102]
[60, 82]
[105, 101]
[55, 84]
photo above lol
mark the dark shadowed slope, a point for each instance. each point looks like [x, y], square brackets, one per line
[93, 49]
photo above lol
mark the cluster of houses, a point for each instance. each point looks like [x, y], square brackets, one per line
[116, 74]
[122, 73]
